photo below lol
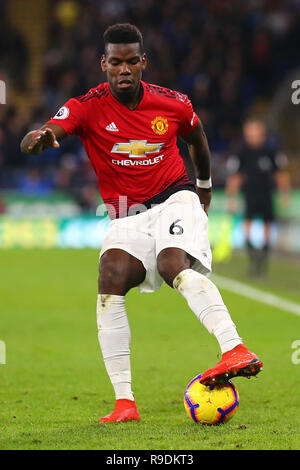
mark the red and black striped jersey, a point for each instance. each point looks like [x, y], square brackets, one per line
[133, 152]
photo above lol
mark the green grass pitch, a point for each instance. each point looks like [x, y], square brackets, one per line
[54, 387]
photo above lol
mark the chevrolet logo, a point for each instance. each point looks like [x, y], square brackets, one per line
[137, 148]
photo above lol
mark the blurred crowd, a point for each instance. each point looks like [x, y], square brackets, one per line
[225, 54]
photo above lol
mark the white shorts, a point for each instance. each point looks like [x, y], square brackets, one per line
[178, 222]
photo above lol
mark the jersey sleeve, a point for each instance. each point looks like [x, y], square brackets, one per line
[279, 160]
[235, 163]
[70, 117]
[188, 118]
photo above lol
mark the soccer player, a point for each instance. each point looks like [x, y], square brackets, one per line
[257, 165]
[158, 233]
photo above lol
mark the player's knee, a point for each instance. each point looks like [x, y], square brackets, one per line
[169, 267]
[113, 277]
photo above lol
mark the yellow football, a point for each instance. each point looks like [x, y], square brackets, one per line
[210, 405]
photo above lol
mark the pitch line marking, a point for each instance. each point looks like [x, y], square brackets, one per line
[253, 293]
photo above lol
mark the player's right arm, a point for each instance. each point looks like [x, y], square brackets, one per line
[39, 140]
[68, 120]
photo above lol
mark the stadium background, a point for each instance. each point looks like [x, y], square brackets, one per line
[232, 58]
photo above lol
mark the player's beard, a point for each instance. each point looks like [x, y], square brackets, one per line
[127, 96]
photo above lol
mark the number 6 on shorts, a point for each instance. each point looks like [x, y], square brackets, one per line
[175, 228]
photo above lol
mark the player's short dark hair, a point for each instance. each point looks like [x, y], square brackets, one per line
[123, 33]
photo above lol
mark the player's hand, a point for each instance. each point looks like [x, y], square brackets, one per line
[205, 197]
[41, 140]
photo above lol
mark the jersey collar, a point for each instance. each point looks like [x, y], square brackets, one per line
[140, 104]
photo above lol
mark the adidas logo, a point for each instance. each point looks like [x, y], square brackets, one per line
[112, 127]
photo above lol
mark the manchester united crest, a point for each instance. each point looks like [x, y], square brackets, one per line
[159, 125]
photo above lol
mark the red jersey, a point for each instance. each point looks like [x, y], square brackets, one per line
[133, 152]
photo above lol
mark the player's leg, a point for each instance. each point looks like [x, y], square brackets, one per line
[204, 299]
[118, 273]
[171, 261]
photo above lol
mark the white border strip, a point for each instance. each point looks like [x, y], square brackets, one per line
[244, 290]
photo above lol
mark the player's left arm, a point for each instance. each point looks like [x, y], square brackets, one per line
[200, 155]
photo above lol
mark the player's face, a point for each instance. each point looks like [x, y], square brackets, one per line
[124, 65]
[255, 133]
